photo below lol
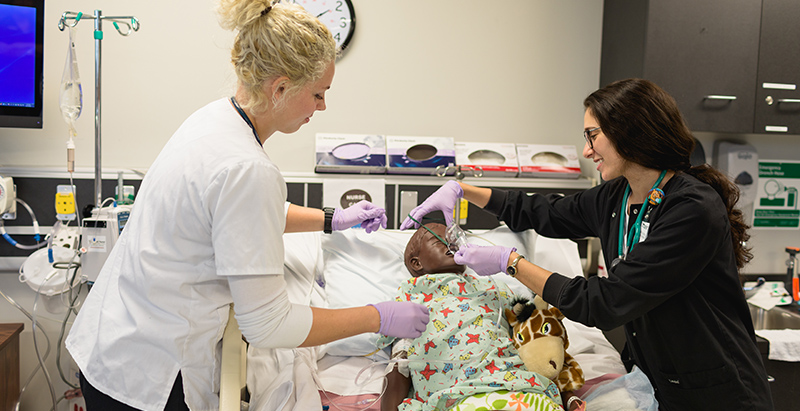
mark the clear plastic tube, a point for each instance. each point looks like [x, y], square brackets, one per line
[37, 234]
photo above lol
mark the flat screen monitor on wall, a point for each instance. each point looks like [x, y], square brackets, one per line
[21, 63]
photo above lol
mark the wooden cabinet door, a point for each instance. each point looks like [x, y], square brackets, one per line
[705, 54]
[777, 108]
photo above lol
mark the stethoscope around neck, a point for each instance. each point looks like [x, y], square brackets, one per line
[625, 243]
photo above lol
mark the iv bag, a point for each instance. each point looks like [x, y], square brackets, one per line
[70, 97]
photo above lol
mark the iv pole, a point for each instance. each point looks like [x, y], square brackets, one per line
[98, 36]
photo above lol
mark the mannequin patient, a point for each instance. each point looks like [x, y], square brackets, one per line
[466, 356]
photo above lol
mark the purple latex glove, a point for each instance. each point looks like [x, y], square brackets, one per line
[402, 319]
[484, 260]
[370, 216]
[443, 199]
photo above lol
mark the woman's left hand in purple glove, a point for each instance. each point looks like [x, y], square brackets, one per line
[484, 260]
[370, 216]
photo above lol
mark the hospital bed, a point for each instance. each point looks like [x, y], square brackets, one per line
[353, 268]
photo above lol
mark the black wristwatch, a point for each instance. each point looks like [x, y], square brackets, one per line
[328, 228]
[512, 269]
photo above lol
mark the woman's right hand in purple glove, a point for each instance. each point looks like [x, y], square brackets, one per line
[484, 260]
[402, 319]
[444, 199]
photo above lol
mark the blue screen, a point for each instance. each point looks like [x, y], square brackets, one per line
[17, 56]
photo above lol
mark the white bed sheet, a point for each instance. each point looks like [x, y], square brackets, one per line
[353, 268]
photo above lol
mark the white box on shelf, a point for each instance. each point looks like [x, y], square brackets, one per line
[548, 161]
[495, 159]
[350, 153]
[419, 155]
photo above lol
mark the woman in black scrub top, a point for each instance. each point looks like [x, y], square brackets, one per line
[673, 241]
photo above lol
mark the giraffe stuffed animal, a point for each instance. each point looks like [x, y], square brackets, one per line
[541, 340]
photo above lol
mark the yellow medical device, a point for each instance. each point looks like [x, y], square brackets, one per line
[65, 203]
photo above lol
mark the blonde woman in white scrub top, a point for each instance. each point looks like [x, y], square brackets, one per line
[206, 232]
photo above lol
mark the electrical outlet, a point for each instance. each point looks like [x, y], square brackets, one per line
[408, 201]
[73, 374]
[76, 401]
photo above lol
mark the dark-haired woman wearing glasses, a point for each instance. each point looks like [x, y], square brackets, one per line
[673, 242]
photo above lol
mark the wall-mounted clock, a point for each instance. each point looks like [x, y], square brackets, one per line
[338, 15]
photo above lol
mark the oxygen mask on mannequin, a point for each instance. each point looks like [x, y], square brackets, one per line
[455, 236]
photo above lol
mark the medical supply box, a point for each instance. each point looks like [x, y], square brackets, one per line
[494, 159]
[548, 161]
[350, 153]
[419, 155]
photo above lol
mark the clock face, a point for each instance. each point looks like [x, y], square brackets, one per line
[338, 15]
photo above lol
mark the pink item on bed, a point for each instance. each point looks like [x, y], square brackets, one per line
[364, 402]
[594, 381]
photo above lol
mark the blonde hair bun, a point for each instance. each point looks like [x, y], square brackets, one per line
[273, 41]
[236, 14]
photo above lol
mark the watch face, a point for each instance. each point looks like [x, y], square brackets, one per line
[511, 270]
[338, 15]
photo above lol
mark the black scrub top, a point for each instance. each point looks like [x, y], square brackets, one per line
[677, 292]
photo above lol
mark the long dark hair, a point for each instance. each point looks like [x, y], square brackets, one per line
[644, 124]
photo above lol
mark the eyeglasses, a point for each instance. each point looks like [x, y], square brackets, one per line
[590, 138]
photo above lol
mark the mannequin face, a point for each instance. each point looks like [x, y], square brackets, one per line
[433, 256]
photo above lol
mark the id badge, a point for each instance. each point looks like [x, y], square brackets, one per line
[644, 229]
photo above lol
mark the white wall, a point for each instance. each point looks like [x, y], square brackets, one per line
[514, 71]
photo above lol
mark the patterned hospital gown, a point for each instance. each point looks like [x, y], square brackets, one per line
[462, 352]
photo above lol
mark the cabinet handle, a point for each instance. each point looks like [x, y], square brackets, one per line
[788, 100]
[719, 97]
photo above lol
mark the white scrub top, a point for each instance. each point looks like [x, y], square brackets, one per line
[211, 205]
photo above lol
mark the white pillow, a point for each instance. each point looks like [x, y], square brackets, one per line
[302, 266]
[360, 269]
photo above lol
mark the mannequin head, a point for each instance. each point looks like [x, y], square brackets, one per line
[426, 254]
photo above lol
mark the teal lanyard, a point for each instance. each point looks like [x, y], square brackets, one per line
[636, 228]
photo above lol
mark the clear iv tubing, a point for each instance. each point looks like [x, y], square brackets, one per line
[70, 265]
[32, 317]
[37, 234]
